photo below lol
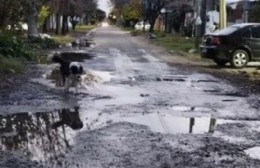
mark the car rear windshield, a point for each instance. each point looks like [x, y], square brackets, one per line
[228, 30]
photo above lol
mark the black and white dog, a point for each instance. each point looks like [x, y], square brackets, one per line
[70, 72]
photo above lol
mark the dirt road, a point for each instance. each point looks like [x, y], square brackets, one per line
[141, 109]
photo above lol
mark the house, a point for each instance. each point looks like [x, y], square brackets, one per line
[173, 18]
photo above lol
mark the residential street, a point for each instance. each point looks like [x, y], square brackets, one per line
[140, 107]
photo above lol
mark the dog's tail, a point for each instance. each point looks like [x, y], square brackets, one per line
[57, 58]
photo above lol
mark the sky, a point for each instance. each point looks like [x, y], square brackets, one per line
[232, 1]
[104, 5]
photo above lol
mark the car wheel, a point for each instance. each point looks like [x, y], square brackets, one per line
[239, 59]
[220, 62]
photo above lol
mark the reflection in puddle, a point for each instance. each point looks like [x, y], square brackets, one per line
[41, 136]
[162, 123]
[167, 123]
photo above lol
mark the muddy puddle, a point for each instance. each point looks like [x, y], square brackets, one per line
[157, 122]
[88, 78]
[48, 136]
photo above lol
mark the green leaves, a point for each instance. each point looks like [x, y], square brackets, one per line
[255, 13]
[131, 12]
[44, 13]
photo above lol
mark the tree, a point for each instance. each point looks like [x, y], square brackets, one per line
[90, 10]
[132, 11]
[11, 14]
[118, 6]
[43, 15]
[255, 13]
[100, 14]
[73, 10]
[31, 12]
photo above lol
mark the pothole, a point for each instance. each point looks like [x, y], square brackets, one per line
[229, 100]
[207, 81]
[212, 91]
[233, 94]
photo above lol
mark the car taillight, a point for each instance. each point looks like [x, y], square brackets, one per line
[215, 40]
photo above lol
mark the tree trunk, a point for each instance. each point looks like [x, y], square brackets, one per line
[152, 22]
[57, 30]
[44, 26]
[73, 26]
[64, 28]
[32, 22]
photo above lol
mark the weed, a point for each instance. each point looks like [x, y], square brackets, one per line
[10, 65]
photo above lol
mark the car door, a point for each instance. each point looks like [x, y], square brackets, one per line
[254, 42]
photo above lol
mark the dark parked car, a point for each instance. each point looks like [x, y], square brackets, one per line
[237, 44]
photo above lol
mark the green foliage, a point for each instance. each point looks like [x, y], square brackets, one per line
[84, 28]
[13, 47]
[10, 65]
[11, 13]
[63, 39]
[176, 43]
[44, 13]
[131, 13]
[254, 14]
[101, 15]
[43, 43]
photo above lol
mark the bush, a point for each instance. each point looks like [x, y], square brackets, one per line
[43, 43]
[12, 47]
[10, 65]
[14, 51]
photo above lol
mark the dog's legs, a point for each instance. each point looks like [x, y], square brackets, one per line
[76, 87]
[67, 84]
[62, 80]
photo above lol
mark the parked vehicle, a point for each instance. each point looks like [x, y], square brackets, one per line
[237, 44]
[141, 25]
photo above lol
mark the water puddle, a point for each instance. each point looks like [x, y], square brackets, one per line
[47, 136]
[234, 94]
[253, 152]
[171, 78]
[163, 123]
[41, 136]
[229, 100]
[207, 81]
[212, 91]
[88, 78]
[166, 123]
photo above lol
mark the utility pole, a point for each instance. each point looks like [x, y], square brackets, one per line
[246, 9]
[222, 14]
[203, 14]
[198, 23]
